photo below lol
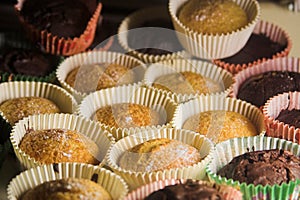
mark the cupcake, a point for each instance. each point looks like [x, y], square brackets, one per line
[267, 41]
[282, 116]
[87, 72]
[67, 181]
[60, 27]
[207, 31]
[83, 141]
[184, 79]
[261, 167]
[183, 189]
[123, 109]
[220, 118]
[150, 38]
[160, 154]
[20, 99]
[258, 83]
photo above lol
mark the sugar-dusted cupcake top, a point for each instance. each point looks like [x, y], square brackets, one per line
[263, 167]
[159, 154]
[67, 188]
[64, 18]
[59, 145]
[212, 16]
[18, 108]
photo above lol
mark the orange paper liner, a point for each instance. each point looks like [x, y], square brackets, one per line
[270, 30]
[271, 110]
[59, 45]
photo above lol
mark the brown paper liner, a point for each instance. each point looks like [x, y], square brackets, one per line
[277, 64]
[136, 179]
[271, 110]
[270, 30]
[111, 182]
[59, 45]
[142, 192]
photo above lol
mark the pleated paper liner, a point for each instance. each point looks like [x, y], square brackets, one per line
[92, 130]
[31, 178]
[16, 40]
[59, 45]
[215, 102]
[142, 192]
[206, 69]
[136, 179]
[15, 89]
[271, 110]
[210, 46]
[289, 64]
[96, 57]
[274, 33]
[229, 149]
[135, 93]
[136, 20]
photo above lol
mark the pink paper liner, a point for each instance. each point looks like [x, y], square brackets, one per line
[278, 64]
[140, 193]
[271, 110]
[59, 45]
[272, 31]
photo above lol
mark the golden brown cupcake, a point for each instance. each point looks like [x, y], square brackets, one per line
[159, 154]
[186, 83]
[68, 188]
[59, 145]
[220, 125]
[18, 108]
[213, 16]
[126, 115]
[84, 78]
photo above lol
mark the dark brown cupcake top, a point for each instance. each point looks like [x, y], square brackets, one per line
[290, 117]
[263, 167]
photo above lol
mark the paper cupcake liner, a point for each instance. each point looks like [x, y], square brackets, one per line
[271, 110]
[96, 57]
[215, 102]
[136, 179]
[229, 149]
[60, 45]
[166, 107]
[145, 190]
[203, 68]
[273, 32]
[134, 21]
[277, 64]
[29, 179]
[16, 40]
[209, 46]
[16, 89]
[92, 130]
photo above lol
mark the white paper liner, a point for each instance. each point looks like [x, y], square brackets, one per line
[271, 110]
[279, 64]
[208, 46]
[133, 21]
[94, 57]
[145, 190]
[215, 102]
[16, 89]
[111, 182]
[135, 93]
[92, 130]
[203, 68]
[229, 149]
[135, 179]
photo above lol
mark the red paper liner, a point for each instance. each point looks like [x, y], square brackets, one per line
[271, 110]
[59, 45]
[272, 31]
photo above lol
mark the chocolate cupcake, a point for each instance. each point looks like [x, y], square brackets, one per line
[267, 41]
